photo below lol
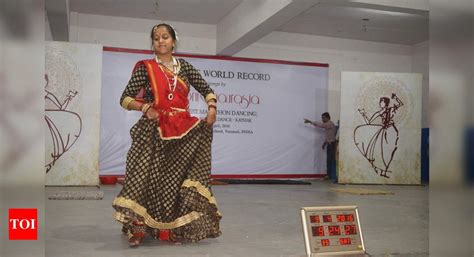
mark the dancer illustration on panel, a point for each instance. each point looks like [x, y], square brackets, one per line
[377, 139]
[64, 126]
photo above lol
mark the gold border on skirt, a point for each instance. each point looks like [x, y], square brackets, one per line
[202, 190]
[181, 221]
[140, 210]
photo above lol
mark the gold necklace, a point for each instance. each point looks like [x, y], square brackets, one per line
[169, 65]
[175, 67]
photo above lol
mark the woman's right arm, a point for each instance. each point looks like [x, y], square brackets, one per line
[137, 82]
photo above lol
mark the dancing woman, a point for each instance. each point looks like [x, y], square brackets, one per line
[166, 191]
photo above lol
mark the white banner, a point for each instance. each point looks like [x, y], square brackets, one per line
[72, 113]
[261, 106]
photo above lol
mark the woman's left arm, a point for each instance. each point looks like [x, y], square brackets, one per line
[203, 88]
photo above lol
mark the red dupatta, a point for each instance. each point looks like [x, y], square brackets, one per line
[175, 121]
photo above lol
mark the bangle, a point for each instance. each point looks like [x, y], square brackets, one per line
[211, 96]
[211, 105]
[145, 105]
[145, 108]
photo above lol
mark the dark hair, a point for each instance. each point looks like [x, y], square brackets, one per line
[167, 26]
[326, 115]
[386, 100]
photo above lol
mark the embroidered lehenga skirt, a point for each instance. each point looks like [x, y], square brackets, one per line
[167, 183]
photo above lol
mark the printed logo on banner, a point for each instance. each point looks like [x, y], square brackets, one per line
[23, 224]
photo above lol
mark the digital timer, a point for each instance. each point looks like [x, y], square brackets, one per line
[332, 230]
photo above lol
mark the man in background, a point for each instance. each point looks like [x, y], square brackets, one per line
[329, 142]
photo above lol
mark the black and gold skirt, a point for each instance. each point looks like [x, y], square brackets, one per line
[167, 183]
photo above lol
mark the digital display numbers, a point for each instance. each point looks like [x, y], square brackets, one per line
[342, 241]
[325, 242]
[314, 218]
[328, 218]
[345, 241]
[345, 218]
[318, 231]
[350, 230]
[332, 229]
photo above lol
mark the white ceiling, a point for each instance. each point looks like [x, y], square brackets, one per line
[192, 11]
[326, 18]
[347, 22]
